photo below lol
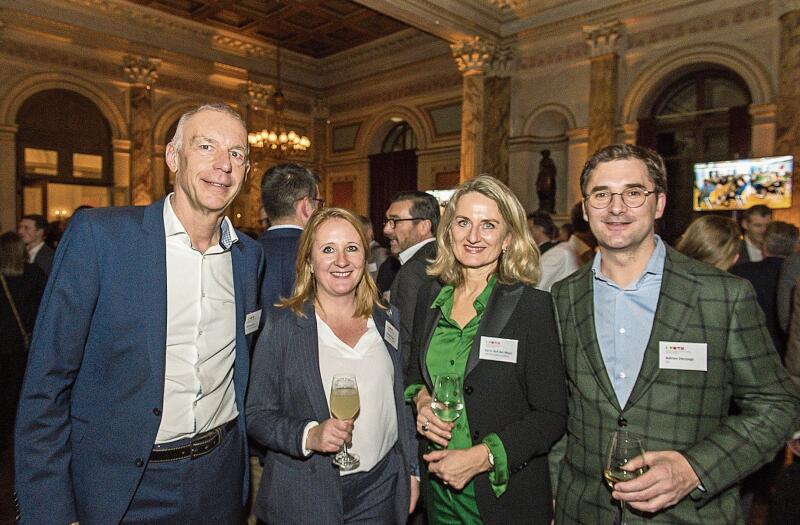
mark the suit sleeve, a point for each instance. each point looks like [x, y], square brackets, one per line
[786, 284]
[268, 419]
[792, 357]
[762, 391]
[535, 434]
[43, 446]
[404, 294]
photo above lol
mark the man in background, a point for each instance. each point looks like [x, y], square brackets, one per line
[377, 253]
[289, 195]
[543, 230]
[32, 229]
[754, 224]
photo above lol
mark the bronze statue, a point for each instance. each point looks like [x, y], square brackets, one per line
[546, 183]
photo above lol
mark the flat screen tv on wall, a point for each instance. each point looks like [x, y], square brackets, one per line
[742, 183]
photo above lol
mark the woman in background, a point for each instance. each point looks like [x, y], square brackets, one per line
[713, 239]
[484, 321]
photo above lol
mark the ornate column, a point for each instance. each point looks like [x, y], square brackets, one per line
[578, 154]
[141, 72]
[122, 172]
[8, 177]
[788, 114]
[497, 114]
[602, 40]
[319, 138]
[762, 141]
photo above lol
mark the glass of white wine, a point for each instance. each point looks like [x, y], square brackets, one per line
[623, 447]
[345, 405]
[448, 397]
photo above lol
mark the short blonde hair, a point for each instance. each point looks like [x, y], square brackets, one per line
[519, 262]
[305, 283]
[713, 239]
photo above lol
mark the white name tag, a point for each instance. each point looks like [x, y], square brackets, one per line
[499, 349]
[372, 268]
[251, 322]
[391, 335]
[683, 356]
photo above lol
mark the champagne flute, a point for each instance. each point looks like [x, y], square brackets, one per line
[345, 405]
[623, 447]
[448, 397]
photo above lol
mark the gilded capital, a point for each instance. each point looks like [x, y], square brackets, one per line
[603, 39]
[502, 4]
[258, 94]
[473, 56]
[502, 63]
[141, 71]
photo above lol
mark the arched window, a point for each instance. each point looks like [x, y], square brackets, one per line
[700, 116]
[400, 138]
[64, 154]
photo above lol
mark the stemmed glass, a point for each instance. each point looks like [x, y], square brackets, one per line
[623, 447]
[448, 397]
[345, 405]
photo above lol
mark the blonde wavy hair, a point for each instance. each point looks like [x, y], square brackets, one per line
[713, 239]
[305, 284]
[519, 262]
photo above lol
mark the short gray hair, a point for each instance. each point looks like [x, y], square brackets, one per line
[220, 107]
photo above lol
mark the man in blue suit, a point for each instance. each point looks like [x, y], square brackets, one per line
[289, 194]
[132, 405]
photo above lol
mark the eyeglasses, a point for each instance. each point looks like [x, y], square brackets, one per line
[392, 223]
[631, 197]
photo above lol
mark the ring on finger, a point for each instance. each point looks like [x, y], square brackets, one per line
[425, 426]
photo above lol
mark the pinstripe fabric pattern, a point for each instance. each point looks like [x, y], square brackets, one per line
[679, 410]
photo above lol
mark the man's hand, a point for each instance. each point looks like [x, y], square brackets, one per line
[669, 479]
[457, 467]
[412, 502]
[330, 435]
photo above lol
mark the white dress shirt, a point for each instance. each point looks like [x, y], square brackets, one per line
[201, 333]
[408, 253]
[375, 429]
[557, 263]
[753, 251]
[33, 252]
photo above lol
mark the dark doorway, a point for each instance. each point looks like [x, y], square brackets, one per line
[391, 171]
[702, 116]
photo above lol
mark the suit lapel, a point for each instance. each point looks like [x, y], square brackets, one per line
[154, 252]
[677, 300]
[242, 360]
[502, 303]
[307, 344]
[581, 294]
[431, 320]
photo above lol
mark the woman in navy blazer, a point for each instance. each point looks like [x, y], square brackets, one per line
[331, 324]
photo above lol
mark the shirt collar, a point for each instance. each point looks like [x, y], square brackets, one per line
[655, 266]
[285, 227]
[173, 226]
[446, 295]
[408, 253]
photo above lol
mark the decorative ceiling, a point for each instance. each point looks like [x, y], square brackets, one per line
[317, 28]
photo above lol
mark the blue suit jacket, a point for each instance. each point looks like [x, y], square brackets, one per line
[280, 250]
[286, 393]
[91, 402]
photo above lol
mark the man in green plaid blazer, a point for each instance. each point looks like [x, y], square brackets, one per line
[697, 449]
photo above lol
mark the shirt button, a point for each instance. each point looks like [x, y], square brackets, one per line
[622, 375]
[622, 330]
[200, 332]
[194, 403]
[452, 362]
[139, 462]
[157, 411]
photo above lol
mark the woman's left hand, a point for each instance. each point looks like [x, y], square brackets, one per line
[457, 467]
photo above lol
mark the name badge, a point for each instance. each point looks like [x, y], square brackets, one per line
[391, 335]
[372, 268]
[683, 356]
[251, 322]
[498, 349]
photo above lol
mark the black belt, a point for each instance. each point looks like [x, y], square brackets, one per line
[200, 445]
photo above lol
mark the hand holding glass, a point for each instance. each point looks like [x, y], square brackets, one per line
[345, 405]
[623, 447]
[448, 397]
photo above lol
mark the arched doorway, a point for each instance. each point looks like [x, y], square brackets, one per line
[64, 154]
[392, 170]
[701, 116]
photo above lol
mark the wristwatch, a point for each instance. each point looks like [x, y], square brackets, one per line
[491, 456]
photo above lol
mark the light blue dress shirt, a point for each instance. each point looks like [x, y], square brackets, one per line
[623, 320]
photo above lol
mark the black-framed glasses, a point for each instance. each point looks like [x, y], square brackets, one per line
[392, 223]
[631, 197]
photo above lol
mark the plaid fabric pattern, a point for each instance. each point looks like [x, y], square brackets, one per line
[687, 411]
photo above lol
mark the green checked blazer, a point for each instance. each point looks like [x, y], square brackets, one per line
[687, 411]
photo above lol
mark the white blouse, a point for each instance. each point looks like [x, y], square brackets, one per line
[375, 428]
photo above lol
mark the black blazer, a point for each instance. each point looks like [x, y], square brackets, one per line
[286, 394]
[524, 403]
[280, 251]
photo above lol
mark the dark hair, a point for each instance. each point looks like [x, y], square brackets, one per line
[423, 206]
[652, 160]
[12, 255]
[780, 239]
[39, 221]
[283, 185]
[759, 209]
[545, 221]
[576, 220]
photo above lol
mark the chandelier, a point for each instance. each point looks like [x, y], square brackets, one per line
[278, 139]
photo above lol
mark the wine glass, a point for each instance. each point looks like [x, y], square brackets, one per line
[623, 447]
[345, 405]
[448, 397]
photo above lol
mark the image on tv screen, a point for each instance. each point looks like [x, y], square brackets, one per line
[739, 184]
